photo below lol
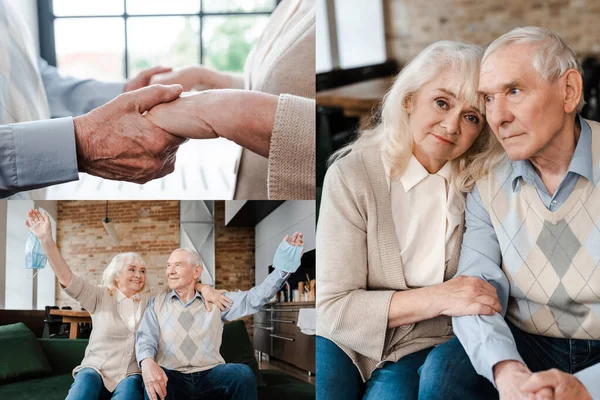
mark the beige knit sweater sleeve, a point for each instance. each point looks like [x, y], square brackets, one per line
[348, 313]
[86, 294]
[291, 172]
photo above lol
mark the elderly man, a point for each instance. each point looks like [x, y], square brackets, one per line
[178, 340]
[533, 227]
[113, 141]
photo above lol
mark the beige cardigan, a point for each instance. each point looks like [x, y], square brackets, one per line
[359, 267]
[283, 63]
[111, 349]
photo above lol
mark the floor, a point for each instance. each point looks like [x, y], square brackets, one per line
[287, 368]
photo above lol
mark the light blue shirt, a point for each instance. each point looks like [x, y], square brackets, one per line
[488, 339]
[244, 303]
[42, 153]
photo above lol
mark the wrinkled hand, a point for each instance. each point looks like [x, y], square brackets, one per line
[155, 379]
[243, 116]
[565, 386]
[467, 295]
[39, 224]
[509, 377]
[144, 78]
[195, 77]
[213, 296]
[116, 142]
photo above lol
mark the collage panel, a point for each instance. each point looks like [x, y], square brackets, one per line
[458, 165]
[191, 99]
[165, 299]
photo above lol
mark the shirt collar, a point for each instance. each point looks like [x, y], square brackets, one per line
[173, 293]
[120, 296]
[580, 164]
[414, 173]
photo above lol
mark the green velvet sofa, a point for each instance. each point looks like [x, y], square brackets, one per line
[32, 368]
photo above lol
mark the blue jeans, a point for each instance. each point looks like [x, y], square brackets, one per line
[88, 385]
[412, 377]
[568, 355]
[225, 381]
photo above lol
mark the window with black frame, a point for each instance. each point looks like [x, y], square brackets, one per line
[116, 39]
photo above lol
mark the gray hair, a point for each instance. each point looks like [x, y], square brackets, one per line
[193, 257]
[117, 264]
[393, 132]
[553, 56]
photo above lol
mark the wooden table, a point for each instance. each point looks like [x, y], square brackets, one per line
[74, 318]
[357, 99]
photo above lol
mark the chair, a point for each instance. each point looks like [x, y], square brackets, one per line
[54, 327]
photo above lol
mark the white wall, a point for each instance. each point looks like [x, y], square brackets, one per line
[27, 9]
[324, 62]
[291, 216]
[231, 208]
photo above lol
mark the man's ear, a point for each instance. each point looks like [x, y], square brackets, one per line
[198, 272]
[572, 84]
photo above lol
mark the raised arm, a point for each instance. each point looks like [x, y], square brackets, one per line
[41, 227]
[286, 261]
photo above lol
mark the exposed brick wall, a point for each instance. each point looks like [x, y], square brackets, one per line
[234, 256]
[412, 25]
[150, 228]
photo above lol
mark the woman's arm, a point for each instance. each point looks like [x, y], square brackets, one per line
[41, 227]
[242, 116]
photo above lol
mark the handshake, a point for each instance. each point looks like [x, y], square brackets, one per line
[135, 137]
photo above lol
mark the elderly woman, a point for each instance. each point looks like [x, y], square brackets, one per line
[390, 229]
[109, 368]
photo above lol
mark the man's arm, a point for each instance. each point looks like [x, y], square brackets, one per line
[148, 335]
[251, 301]
[37, 154]
[68, 96]
[486, 339]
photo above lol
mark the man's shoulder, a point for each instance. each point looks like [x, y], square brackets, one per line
[498, 175]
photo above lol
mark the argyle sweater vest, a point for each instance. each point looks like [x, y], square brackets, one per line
[190, 337]
[551, 258]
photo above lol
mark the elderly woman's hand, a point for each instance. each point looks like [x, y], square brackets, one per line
[242, 116]
[467, 295]
[39, 224]
[194, 77]
[213, 296]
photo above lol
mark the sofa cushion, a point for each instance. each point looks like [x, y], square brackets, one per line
[237, 348]
[53, 387]
[24, 355]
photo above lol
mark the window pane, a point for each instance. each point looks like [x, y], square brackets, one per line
[238, 5]
[228, 40]
[167, 41]
[87, 7]
[91, 47]
[163, 7]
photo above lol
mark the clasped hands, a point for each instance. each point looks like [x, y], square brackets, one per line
[515, 381]
[135, 137]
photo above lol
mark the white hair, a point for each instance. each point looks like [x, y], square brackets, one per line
[553, 56]
[193, 256]
[117, 264]
[393, 131]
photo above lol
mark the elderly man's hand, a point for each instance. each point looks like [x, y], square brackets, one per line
[144, 78]
[116, 142]
[155, 379]
[565, 386]
[509, 376]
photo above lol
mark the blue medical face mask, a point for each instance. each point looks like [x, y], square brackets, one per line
[35, 258]
[287, 257]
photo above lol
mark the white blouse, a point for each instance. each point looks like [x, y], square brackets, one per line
[129, 309]
[426, 215]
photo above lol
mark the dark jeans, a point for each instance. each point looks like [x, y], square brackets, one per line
[569, 355]
[415, 376]
[88, 386]
[225, 381]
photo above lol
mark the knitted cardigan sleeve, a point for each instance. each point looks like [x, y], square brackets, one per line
[291, 174]
[348, 313]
